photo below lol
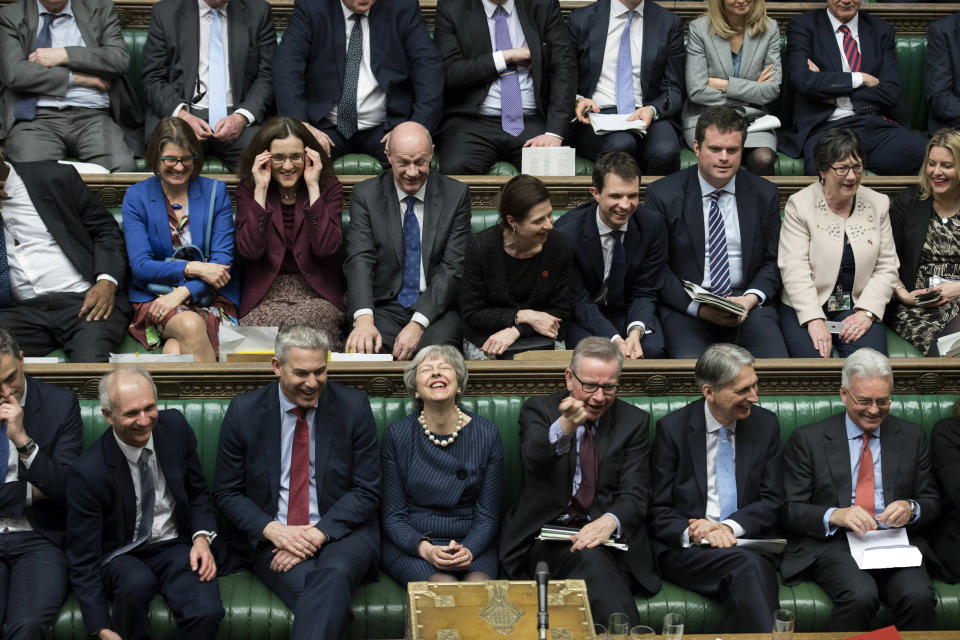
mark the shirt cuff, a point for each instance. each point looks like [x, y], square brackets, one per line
[558, 438]
[735, 527]
[362, 312]
[685, 538]
[555, 135]
[499, 62]
[33, 456]
[70, 80]
[912, 503]
[246, 114]
[634, 325]
[693, 308]
[828, 528]
[105, 276]
[759, 294]
[617, 520]
[856, 79]
[616, 337]
[420, 319]
[177, 109]
[210, 534]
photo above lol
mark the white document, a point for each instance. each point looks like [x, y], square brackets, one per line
[41, 360]
[360, 357]
[246, 339]
[949, 345]
[883, 549]
[604, 123]
[141, 358]
[768, 545]
[764, 123]
[549, 161]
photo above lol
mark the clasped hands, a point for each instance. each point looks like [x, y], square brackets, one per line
[292, 544]
[855, 518]
[586, 105]
[542, 322]
[716, 534]
[449, 556]
[366, 338]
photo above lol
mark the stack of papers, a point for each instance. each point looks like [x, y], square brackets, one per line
[883, 549]
[556, 532]
[768, 545]
[949, 345]
[701, 295]
[764, 123]
[604, 123]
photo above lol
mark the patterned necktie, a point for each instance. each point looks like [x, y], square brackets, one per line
[347, 107]
[216, 77]
[583, 498]
[148, 500]
[850, 49]
[626, 101]
[865, 489]
[410, 291]
[6, 289]
[726, 475]
[719, 264]
[618, 270]
[298, 503]
[511, 105]
[26, 108]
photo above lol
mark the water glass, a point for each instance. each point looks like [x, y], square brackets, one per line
[599, 631]
[642, 633]
[672, 626]
[618, 627]
[783, 621]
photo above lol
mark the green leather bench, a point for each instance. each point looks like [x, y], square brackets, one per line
[253, 613]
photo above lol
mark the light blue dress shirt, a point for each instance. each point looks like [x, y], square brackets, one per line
[64, 32]
[288, 424]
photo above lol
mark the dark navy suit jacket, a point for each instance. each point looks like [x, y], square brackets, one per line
[103, 506]
[678, 199]
[943, 73]
[644, 244]
[308, 67]
[810, 36]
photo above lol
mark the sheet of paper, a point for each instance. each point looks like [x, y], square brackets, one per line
[141, 358]
[246, 339]
[360, 357]
[607, 122]
[883, 549]
[41, 360]
[948, 343]
[549, 161]
[764, 123]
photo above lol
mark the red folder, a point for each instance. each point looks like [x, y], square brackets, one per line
[887, 633]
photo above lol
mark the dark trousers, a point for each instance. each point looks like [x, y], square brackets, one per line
[688, 337]
[658, 152]
[33, 585]
[318, 589]
[604, 570]
[652, 343]
[51, 321]
[367, 141]
[892, 149]
[857, 594]
[134, 578]
[473, 145]
[800, 346]
[744, 581]
[390, 318]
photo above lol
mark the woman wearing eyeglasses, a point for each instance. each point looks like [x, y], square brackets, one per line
[289, 205]
[179, 234]
[837, 258]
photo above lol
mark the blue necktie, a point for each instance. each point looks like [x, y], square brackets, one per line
[626, 101]
[26, 108]
[216, 74]
[148, 498]
[347, 106]
[6, 290]
[511, 104]
[410, 291]
[618, 270]
[719, 264]
[726, 475]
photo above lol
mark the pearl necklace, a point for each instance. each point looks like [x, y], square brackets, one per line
[434, 439]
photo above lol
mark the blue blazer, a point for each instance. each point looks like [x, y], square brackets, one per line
[661, 75]
[147, 232]
[103, 506]
[644, 243]
[308, 66]
[810, 36]
[943, 73]
[678, 199]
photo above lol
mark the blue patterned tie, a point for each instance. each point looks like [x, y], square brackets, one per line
[410, 291]
[216, 76]
[719, 263]
[618, 270]
[26, 108]
[6, 290]
[726, 475]
[511, 104]
[148, 498]
[626, 102]
[347, 106]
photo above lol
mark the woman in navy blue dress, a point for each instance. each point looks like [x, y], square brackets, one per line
[441, 479]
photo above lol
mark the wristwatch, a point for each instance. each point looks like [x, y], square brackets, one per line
[27, 448]
[870, 314]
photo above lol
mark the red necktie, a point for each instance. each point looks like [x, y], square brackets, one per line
[583, 498]
[850, 49]
[298, 505]
[865, 489]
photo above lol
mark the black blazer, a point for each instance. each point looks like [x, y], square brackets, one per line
[678, 199]
[943, 73]
[661, 74]
[945, 442]
[308, 68]
[809, 36]
[623, 484]
[102, 507]
[51, 417]
[486, 303]
[909, 220]
[463, 38]
[171, 54]
[644, 243]
[679, 462]
[817, 476]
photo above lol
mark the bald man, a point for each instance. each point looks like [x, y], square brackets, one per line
[405, 246]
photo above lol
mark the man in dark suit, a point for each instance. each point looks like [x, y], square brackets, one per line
[139, 519]
[844, 68]
[63, 259]
[223, 109]
[723, 228]
[351, 71]
[405, 246]
[854, 472]
[716, 479]
[510, 80]
[43, 439]
[943, 73]
[586, 456]
[619, 252]
[650, 89]
[312, 536]
[65, 92]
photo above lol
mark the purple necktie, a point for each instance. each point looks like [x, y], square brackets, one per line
[719, 265]
[511, 106]
[625, 97]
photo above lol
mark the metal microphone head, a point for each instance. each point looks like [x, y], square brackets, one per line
[542, 570]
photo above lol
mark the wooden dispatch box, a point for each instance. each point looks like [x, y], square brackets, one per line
[496, 609]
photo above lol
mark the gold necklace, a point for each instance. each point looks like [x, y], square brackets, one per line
[434, 439]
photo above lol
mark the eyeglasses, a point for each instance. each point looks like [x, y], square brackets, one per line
[591, 387]
[171, 161]
[865, 403]
[845, 169]
[279, 159]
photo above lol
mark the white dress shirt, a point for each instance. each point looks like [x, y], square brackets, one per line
[371, 98]
[288, 427]
[606, 244]
[64, 32]
[844, 104]
[164, 526]
[605, 94]
[15, 525]
[491, 104]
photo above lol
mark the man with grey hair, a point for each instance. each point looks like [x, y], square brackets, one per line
[41, 439]
[298, 474]
[586, 455]
[716, 480]
[139, 519]
[855, 472]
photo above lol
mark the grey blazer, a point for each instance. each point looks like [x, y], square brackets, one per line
[708, 56]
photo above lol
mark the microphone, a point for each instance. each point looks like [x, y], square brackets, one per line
[543, 578]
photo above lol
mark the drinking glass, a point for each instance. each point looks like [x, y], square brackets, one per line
[672, 626]
[642, 633]
[599, 631]
[783, 620]
[618, 627]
